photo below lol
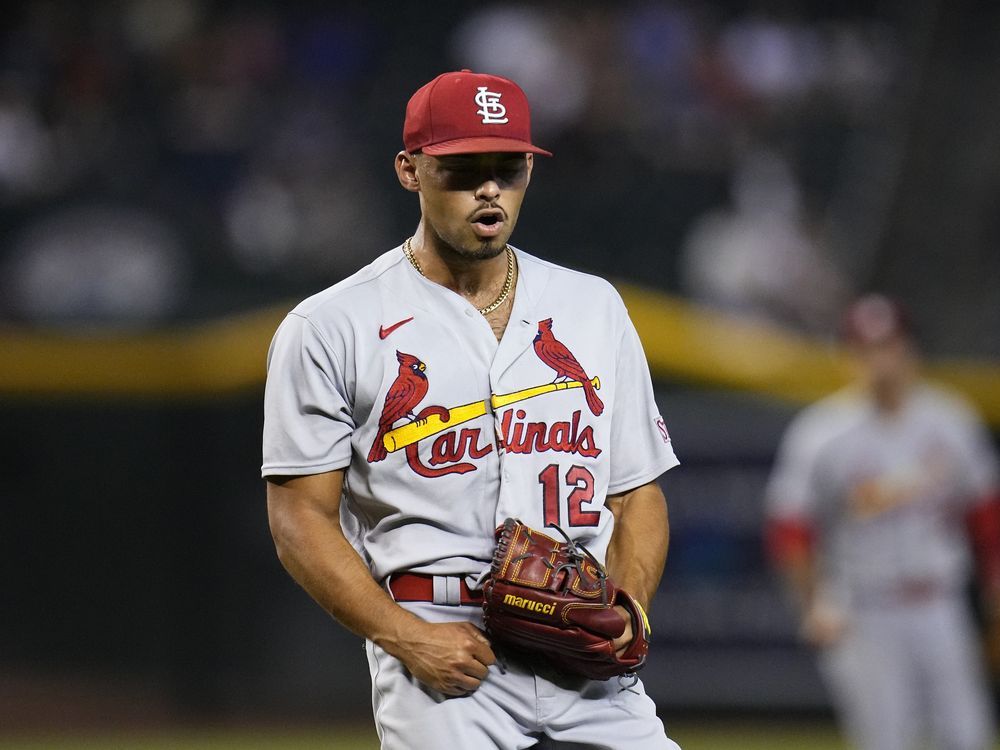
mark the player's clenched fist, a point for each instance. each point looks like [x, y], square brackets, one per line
[450, 657]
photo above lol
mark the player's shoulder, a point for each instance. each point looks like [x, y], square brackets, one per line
[548, 276]
[564, 274]
[829, 417]
[347, 295]
[941, 403]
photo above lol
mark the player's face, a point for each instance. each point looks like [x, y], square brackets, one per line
[470, 202]
[887, 365]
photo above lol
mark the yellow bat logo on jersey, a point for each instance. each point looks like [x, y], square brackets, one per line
[420, 429]
[515, 433]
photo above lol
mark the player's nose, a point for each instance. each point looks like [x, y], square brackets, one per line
[488, 190]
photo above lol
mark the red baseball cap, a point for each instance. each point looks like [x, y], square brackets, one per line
[874, 319]
[469, 113]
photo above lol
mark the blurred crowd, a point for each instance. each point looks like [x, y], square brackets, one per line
[162, 161]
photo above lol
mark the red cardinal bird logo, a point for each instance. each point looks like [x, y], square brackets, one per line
[555, 354]
[406, 391]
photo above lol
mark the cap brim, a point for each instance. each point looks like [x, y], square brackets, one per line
[483, 145]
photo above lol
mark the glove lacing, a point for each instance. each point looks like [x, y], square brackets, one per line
[578, 553]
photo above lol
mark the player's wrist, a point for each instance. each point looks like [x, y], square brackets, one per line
[637, 594]
[642, 615]
[394, 631]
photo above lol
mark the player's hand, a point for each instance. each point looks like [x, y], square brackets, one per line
[450, 657]
[622, 642]
[823, 625]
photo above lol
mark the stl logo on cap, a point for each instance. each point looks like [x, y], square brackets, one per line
[493, 112]
[469, 113]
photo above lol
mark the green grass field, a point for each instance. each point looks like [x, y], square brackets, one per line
[702, 735]
[724, 734]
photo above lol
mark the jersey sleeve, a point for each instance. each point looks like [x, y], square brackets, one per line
[307, 416]
[791, 492]
[976, 455]
[640, 444]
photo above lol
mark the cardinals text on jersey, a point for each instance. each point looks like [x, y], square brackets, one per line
[452, 446]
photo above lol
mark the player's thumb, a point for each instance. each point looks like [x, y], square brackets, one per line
[485, 651]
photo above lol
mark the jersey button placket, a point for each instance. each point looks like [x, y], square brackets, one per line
[503, 473]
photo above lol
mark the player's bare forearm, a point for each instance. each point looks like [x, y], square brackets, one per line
[823, 622]
[304, 515]
[801, 579]
[638, 548]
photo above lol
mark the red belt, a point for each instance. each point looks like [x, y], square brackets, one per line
[919, 591]
[417, 587]
[906, 593]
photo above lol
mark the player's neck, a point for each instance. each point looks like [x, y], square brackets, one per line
[890, 398]
[479, 280]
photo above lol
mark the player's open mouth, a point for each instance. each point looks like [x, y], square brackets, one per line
[488, 223]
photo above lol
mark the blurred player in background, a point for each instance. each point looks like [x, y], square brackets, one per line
[881, 496]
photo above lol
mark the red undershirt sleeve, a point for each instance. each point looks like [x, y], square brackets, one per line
[789, 540]
[983, 523]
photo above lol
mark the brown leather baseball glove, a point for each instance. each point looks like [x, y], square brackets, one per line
[555, 599]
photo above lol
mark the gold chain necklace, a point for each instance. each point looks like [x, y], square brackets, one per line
[507, 282]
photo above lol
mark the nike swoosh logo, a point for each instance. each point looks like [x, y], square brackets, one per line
[383, 331]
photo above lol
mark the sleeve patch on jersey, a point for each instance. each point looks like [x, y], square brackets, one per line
[662, 427]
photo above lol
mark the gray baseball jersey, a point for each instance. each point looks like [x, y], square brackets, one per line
[888, 494]
[443, 430]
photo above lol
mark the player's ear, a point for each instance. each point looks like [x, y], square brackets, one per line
[406, 171]
[530, 160]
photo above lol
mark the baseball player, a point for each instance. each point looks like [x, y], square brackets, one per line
[880, 498]
[453, 383]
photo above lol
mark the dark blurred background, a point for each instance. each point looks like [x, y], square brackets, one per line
[164, 164]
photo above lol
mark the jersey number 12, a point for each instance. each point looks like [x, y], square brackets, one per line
[582, 483]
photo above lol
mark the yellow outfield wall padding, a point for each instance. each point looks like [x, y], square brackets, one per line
[683, 342]
[220, 356]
